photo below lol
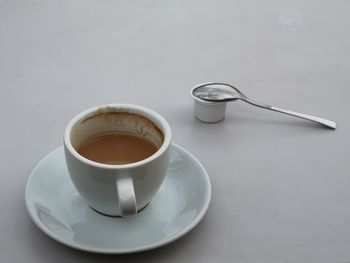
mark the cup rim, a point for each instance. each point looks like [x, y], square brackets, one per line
[165, 128]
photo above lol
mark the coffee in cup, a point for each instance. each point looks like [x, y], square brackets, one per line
[117, 148]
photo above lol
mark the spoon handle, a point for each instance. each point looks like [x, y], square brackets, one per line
[325, 122]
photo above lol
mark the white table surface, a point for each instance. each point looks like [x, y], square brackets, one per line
[281, 186]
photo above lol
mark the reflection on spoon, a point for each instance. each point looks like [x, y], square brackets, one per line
[221, 92]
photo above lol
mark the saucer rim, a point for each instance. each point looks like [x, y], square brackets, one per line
[92, 249]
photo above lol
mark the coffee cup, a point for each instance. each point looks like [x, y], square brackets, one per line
[117, 189]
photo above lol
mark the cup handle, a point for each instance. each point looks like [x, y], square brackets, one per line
[126, 196]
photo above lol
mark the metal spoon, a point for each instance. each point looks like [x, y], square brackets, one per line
[221, 92]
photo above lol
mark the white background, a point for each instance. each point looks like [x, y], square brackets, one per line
[280, 184]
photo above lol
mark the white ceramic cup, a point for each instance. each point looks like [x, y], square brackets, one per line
[117, 190]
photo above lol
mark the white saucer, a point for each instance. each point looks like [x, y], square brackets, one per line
[57, 209]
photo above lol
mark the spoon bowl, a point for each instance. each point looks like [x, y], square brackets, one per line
[215, 92]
